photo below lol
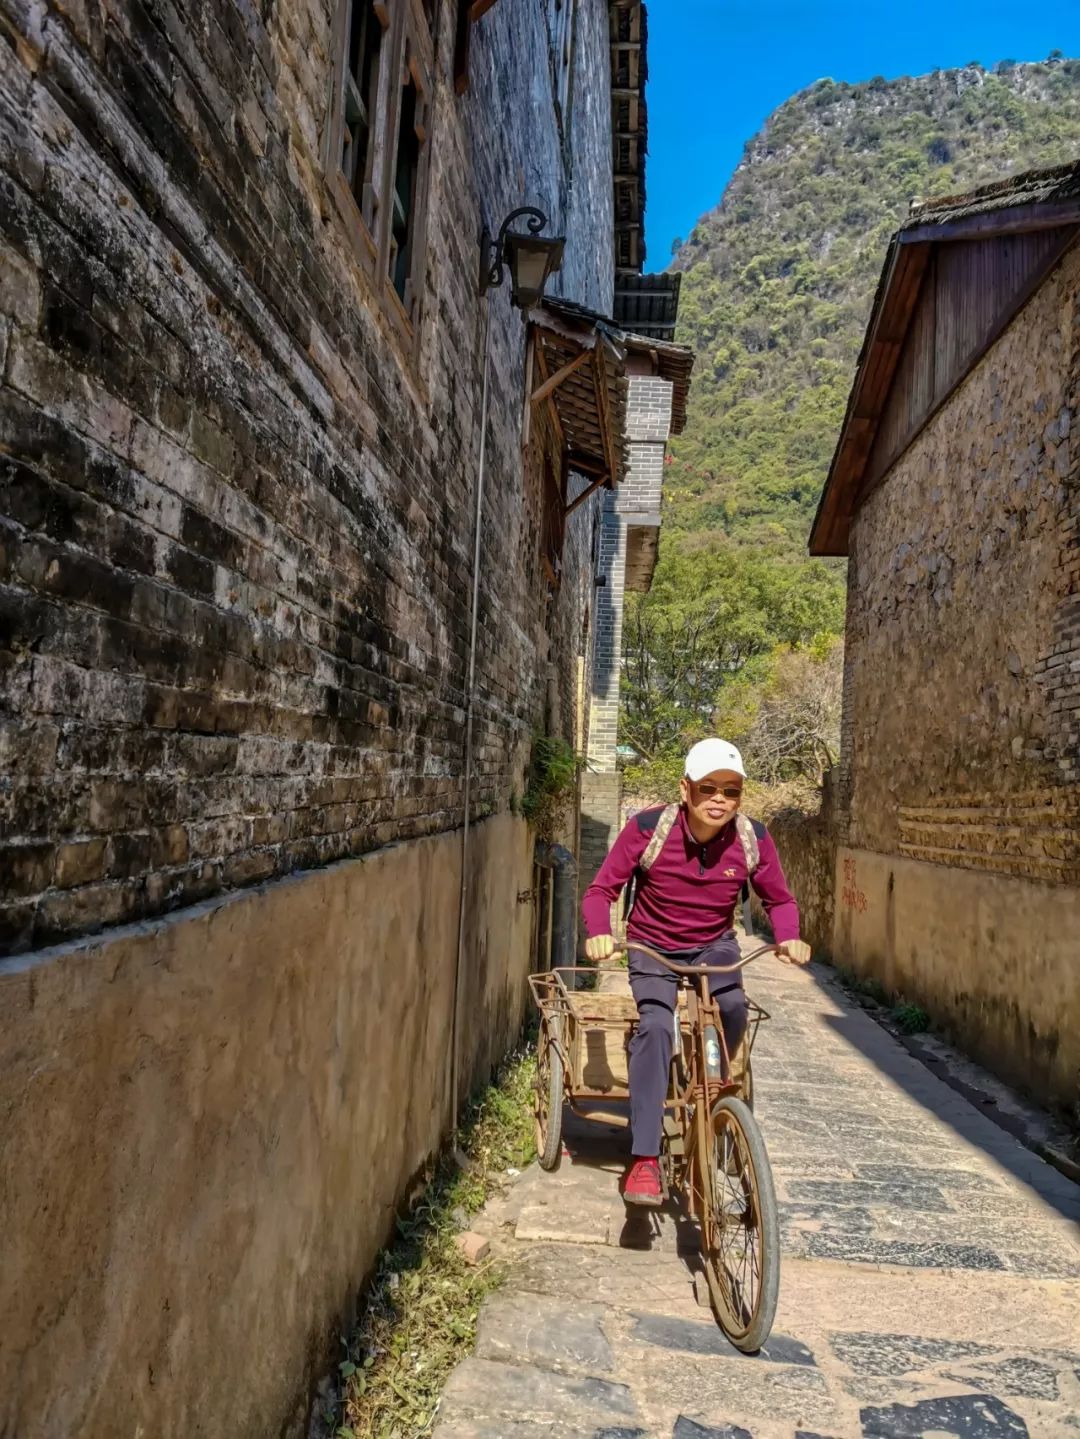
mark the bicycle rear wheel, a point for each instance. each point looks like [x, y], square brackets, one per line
[548, 1093]
[740, 1228]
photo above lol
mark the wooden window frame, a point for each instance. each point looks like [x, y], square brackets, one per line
[405, 56]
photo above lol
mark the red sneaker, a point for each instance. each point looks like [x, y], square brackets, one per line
[642, 1184]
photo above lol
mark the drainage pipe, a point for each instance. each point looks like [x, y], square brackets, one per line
[563, 903]
[470, 692]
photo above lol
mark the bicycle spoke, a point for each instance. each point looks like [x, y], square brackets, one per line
[737, 1226]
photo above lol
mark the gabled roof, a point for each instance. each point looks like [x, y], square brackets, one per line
[580, 373]
[673, 362]
[648, 304]
[1025, 205]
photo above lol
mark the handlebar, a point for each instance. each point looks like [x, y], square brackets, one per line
[696, 969]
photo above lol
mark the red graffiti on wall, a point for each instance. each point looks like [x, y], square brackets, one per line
[851, 896]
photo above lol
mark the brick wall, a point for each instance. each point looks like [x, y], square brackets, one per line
[637, 504]
[236, 544]
[963, 611]
[648, 425]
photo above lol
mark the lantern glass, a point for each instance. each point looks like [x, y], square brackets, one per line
[532, 260]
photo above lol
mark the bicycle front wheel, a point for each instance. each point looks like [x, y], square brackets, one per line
[740, 1229]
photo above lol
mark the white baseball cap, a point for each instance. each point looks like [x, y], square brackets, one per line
[709, 755]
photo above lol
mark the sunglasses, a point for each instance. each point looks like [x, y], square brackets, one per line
[729, 791]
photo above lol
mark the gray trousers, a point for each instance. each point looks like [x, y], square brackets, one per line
[655, 991]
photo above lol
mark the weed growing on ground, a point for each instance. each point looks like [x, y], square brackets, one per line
[419, 1313]
[910, 1018]
[907, 1017]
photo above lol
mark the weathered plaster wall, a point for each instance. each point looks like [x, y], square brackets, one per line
[235, 511]
[993, 959]
[208, 1122]
[958, 791]
[236, 541]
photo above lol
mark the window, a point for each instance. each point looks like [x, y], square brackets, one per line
[405, 189]
[360, 103]
[375, 149]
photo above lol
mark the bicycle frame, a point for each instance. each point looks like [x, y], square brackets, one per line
[560, 1001]
[692, 1105]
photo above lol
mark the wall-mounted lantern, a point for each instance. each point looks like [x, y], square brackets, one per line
[532, 258]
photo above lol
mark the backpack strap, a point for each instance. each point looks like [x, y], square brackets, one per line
[664, 826]
[657, 824]
[748, 831]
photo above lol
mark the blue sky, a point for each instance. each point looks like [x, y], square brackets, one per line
[718, 67]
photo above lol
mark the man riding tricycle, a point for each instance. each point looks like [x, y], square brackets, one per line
[679, 1048]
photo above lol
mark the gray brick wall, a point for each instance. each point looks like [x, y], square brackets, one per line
[648, 427]
[236, 533]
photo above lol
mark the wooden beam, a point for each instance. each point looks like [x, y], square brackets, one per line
[600, 372]
[905, 272]
[551, 385]
[1019, 220]
[580, 500]
[541, 365]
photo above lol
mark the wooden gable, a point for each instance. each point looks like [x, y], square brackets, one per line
[955, 276]
[970, 292]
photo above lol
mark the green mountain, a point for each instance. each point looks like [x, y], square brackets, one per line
[778, 280]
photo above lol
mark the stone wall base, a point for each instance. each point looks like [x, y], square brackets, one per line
[806, 844]
[208, 1124]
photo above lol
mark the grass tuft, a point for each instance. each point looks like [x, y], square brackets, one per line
[419, 1312]
[910, 1018]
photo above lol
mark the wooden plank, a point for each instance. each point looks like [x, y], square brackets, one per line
[585, 464]
[1012, 220]
[560, 377]
[910, 392]
[1051, 249]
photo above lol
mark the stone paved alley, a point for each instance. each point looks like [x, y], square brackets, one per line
[930, 1284]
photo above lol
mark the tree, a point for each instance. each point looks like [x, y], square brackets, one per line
[715, 611]
[789, 722]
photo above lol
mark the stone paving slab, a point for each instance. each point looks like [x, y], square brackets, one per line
[930, 1282]
[536, 1329]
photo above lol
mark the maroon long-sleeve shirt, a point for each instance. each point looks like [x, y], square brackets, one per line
[687, 898]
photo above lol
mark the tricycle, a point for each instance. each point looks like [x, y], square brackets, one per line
[713, 1156]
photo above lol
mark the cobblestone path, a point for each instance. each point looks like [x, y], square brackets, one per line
[930, 1281]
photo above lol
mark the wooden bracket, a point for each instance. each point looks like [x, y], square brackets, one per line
[580, 499]
[552, 384]
[541, 365]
